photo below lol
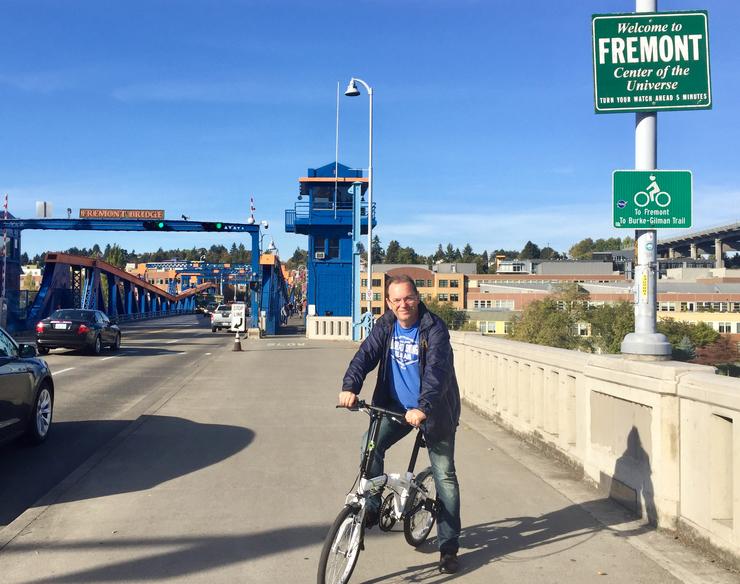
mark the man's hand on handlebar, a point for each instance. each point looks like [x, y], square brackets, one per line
[415, 417]
[347, 399]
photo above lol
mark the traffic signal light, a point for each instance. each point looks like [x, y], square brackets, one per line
[212, 226]
[157, 226]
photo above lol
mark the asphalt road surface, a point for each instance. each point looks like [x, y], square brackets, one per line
[97, 397]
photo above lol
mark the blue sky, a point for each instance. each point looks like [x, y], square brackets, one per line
[484, 124]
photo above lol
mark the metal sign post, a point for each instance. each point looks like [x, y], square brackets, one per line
[646, 341]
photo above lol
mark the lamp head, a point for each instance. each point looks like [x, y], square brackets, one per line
[265, 224]
[352, 90]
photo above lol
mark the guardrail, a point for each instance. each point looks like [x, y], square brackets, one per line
[150, 315]
[329, 328]
[662, 438]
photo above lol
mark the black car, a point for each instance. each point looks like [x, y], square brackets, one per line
[75, 328]
[26, 392]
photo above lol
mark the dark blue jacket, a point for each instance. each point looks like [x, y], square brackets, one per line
[439, 396]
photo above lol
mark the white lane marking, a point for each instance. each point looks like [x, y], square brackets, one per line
[111, 357]
[208, 353]
[173, 341]
[62, 371]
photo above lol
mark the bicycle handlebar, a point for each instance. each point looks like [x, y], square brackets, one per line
[362, 405]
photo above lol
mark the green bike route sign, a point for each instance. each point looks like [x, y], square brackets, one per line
[651, 61]
[651, 199]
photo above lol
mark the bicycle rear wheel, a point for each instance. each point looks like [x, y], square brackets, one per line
[419, 521]
[341, 547]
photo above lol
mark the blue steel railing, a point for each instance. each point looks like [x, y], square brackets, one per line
[317, 212]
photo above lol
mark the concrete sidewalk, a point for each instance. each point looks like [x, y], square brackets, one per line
[236, 475]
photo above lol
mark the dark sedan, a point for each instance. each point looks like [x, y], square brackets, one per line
[26, 392]
[73, 328]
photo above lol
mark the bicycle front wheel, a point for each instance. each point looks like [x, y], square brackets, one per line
[341, 547]
[420, 519]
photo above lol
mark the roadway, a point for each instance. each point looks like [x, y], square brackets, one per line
[230, 466]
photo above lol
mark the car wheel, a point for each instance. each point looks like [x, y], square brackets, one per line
[40, 422]
[97, 346]
[42, 350]
[213, 329]
[116, 344]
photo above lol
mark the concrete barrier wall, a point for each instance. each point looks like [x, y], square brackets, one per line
[663, 438]
[329, 328]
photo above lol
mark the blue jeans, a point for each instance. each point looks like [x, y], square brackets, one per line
[442, 457]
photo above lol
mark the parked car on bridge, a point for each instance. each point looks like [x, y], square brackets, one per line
[26, 392]
[221, 317]
[74, 328]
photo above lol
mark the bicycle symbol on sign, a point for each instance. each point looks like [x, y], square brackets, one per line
[652, 193]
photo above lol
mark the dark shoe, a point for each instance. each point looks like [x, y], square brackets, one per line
[371, 518]
[448, 564]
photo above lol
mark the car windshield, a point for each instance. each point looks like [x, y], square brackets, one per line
[72, 314]
[224, 308]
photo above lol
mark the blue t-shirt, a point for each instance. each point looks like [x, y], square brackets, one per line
[404, 358]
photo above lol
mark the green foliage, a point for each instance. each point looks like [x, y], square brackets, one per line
[700, 334]
[468, 256]
[610, 323]
[542, 323]
[530, 251]
[454, 319]
[684, 351]
[299, 258]
[115, 255]
[378, 254]
[392, 252]
[582, 250]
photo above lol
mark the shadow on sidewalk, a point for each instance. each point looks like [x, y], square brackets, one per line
[162, 448]
[482, 544]
[192, 554]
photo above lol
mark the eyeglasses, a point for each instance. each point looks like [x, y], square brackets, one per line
[406, 300]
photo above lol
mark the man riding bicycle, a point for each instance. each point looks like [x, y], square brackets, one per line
[416, 375]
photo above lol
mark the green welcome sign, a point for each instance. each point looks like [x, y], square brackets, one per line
[651, 61]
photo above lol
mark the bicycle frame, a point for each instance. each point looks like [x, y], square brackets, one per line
[403, 485]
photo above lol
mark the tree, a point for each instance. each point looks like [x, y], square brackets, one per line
[684, 351]
[391, 253]
[450, 254]
[439, 255]
[378, 255]
[482, 262]
[542, 323]
[454, 319]
[24, 259]
[610, 323]
[582, 250]
[548, 253]
[721, 352]
[700, 334]
[115, 256]
[407, 255]
[530, 251]
[299, 258]
[468, 256]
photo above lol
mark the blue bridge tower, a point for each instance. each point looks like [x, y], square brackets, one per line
[324, 213]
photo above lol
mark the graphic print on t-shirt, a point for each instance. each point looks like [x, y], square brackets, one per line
[405, 351]
[404, 354]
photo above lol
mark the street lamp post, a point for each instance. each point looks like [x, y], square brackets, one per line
[352, 91]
